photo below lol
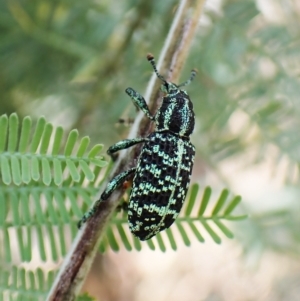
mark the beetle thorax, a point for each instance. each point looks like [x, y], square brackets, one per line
[176, 113]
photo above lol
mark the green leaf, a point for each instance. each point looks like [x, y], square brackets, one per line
[38, 208]
[124, 238]
[73, 170]
[137, 244]
[26, 214]
[42, 209]
[16, 170]
[98, 162]
[57, 172]
[74, 204]
[57, 140]
[20, 239]
[46, 138]
[205, 200]
[232, 205]
[3, 131]
[184, 235]
[95, 150]
[25, 134]
[5, 170]
[221, 201]
[103, 245]
[192, 198]
[53, 244]
[7, 249]
[160, 242]
[14, 200]
[26, 174]
[52, 213]
[35, 171]
[186, 216]
[62, 241]
[84, 143]
[37, 134]
[211, 232]
[171, 239]
[23, 284]
[63, 212]
[87, 172]
[72, 138]
[196, 232]
[150, 244]
[3, 207]
[13, 133]
[111, 239]
[23, 167]
[236, 218]
[47, 177]
[223, 228]
[28, 245]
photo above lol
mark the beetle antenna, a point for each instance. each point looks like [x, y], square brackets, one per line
[150, 58]
[193, 74]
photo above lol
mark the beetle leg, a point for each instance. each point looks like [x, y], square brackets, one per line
[140, 102]
[110, 188]
[123, 144]
[116, 182]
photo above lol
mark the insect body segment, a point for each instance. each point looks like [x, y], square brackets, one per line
[160, 183]
[163, 171]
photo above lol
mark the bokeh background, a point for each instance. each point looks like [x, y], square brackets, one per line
[71, 62]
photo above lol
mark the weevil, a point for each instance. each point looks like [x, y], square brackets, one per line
[162, 175]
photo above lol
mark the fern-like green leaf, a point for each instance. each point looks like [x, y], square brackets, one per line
[205, 200]
[171, 239]
[112, 239]
[124, 238]
[26, 285]
[24, 158]
[235, 201]
[193, 196]
[43, 185]
[161, 243]
[40, 212]
[3, 131]
[51, 183]
[221, 201]
[195, 217]
[150, 244]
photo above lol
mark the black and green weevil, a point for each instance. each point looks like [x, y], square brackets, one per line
[161, 177]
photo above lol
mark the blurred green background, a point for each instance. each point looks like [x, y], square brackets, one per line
[71, 62]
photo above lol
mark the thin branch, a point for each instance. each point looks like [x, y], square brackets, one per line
[74, 270]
